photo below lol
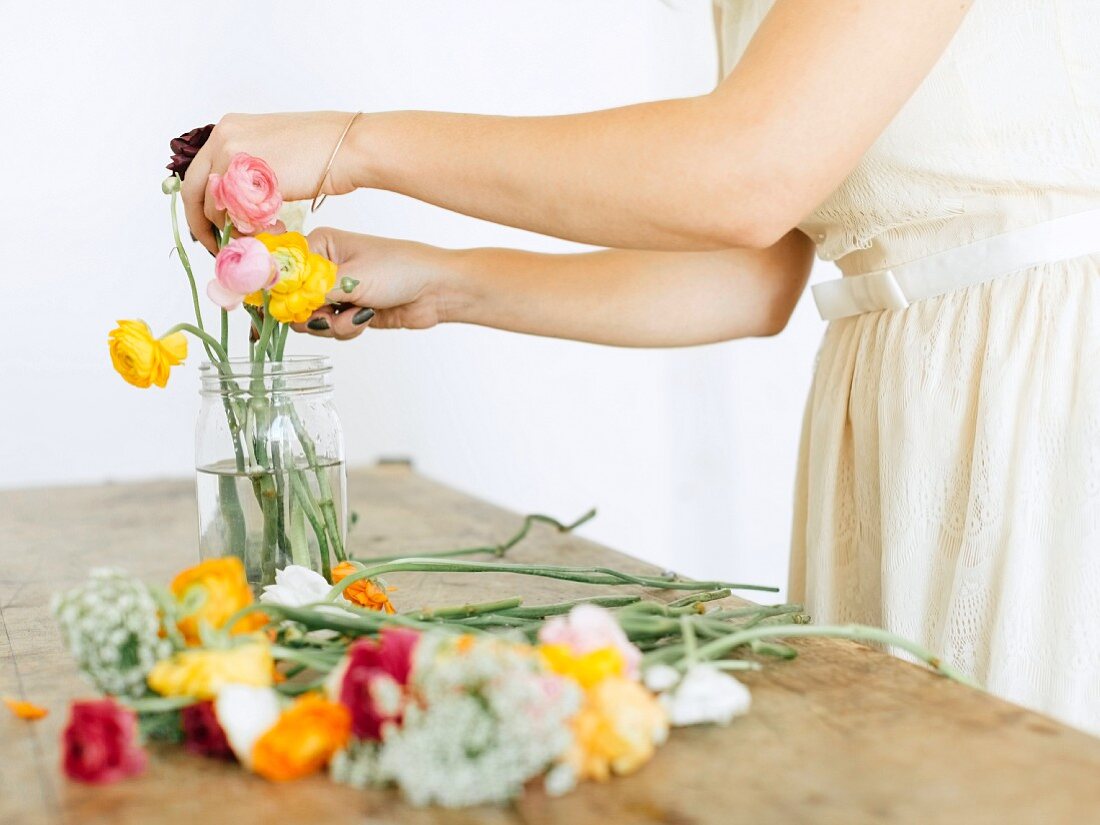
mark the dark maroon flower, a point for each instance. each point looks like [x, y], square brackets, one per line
[369, 661]
[100, 744]
[202, 734]
[185, 147]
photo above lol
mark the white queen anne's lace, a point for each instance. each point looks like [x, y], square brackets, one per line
[111, 626]
[487, 720]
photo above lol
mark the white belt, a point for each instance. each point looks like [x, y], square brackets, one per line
[977, 262]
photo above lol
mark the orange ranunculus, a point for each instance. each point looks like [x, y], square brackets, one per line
[222, 589]
[303, 740]
[365, 592]
[25, 710]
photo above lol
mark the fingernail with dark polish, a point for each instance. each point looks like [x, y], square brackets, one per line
[318, 324]
[362, 316]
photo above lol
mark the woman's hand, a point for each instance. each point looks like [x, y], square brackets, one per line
[297, 146]
[403, 282]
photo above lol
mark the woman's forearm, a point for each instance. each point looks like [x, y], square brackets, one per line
[649, 176]
[630, 298]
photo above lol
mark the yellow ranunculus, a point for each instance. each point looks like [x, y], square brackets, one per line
[221, 588]
[616, 730]
[586, 669]
[304, 278]
[202, 673]
[140, 358]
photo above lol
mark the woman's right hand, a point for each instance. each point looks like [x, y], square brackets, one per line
[402, 281]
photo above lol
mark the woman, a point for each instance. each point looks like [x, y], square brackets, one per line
[949, 484]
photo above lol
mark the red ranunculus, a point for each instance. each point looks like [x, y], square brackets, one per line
[100, 743]
[201, 732]
[370, 662]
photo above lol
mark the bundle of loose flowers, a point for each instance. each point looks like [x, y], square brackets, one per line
[453, 706]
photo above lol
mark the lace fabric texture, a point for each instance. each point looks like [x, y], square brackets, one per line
[949, 478]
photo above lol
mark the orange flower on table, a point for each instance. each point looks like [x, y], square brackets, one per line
[25, 710]
[616, 731]
[303, 740]
[365, 592]
[221, 589]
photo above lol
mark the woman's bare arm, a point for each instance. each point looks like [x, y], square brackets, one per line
[737, 167]
[617, 297]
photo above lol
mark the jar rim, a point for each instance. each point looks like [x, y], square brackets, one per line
[299, 366]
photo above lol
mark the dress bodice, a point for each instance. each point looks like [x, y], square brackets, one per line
[1003, 133]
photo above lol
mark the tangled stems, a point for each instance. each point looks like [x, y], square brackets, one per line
[498, 550]
[584, 575]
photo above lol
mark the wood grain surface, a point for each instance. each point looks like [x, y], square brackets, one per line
[843, 734]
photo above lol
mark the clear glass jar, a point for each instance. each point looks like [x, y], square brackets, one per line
[269, 461]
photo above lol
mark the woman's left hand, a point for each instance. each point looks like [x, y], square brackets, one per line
[295, 145]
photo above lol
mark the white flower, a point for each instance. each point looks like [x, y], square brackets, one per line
[293, 216]
[246, 713]
[489, 719]
[296, 586]
[111, 625]
[705, 694]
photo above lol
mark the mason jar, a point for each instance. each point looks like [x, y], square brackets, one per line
[269, 462]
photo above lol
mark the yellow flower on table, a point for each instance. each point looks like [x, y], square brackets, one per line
[586, 669]
[304, 278]
[220, 588]
[303, 740]
[616, 731]
[141, 359]
[202, 673]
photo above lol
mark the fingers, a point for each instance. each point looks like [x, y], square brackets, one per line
[215, 216]
[342, 322]
[193, 193]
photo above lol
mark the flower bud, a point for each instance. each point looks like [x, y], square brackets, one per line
[170, 185]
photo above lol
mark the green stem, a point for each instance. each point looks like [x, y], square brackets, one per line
[498, 550]
[854, 632]
[205, 337]
[542, 611]
[313, 515]
[465, 611]
[186, 261]
[585, 575]
[225, 330]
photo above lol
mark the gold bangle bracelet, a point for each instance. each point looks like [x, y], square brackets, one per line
[318, 197]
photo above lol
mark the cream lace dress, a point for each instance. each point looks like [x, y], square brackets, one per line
[949, 480]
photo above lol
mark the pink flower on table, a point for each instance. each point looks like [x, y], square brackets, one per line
[248, 192]
[588, 628]
[202, 733]
[371, 681]
[100, 743]
[243, 266]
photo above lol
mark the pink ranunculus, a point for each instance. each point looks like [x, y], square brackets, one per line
[588, 627]
[374, 678]
[248, 191]
[202, 733]
[100, 744]
[243, 265]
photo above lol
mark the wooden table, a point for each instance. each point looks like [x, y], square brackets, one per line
[843, 734]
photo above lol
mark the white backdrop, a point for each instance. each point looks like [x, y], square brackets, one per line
[689, 454]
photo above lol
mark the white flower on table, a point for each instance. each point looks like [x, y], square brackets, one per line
[246, 713]
[703, 695]
[296, 586]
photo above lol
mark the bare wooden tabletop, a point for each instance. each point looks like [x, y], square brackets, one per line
[843, 734]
